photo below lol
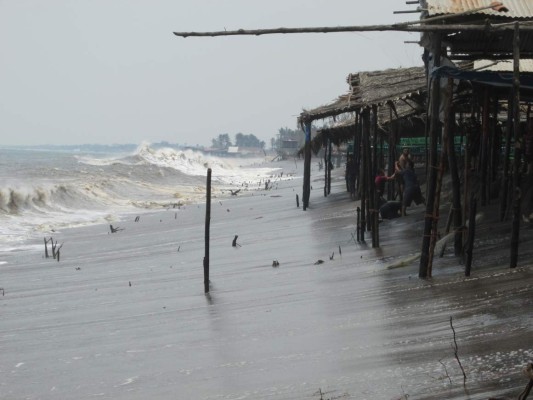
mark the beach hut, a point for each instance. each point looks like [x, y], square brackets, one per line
[366, 116]
[490, 93]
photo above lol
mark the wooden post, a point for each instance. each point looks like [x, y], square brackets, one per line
[456, 190]
[207, 227]
[307, 166]
[326, 167]
[45, 248]
[484, 146]
[506, 160]
[373, 196]
[442, 168]
[358, 224]
[516, 130]
[329, 163]
[432, 181]
[471, 234]
[392, 153]
[363, 174]
[357, 155]
[368, 184]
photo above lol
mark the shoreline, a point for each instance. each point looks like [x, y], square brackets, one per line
[348, 326]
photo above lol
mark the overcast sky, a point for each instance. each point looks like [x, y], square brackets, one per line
[111, 71]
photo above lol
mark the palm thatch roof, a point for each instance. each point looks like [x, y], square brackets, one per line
[404, 88]
[400, 92]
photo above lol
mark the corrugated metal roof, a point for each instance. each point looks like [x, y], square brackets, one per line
[517, 8]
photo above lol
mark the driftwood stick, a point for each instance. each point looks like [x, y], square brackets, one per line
[54, 245]
[455, 350]
[446, 371]
[45, 248]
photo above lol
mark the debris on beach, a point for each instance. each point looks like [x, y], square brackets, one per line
[55, 249]
[404, 262]
[115, 229]
[319, 262]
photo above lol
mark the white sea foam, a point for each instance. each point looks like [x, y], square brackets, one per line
[41, 193]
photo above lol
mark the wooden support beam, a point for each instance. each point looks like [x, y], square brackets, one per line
[207, 230]
[365, 159]
[456, 189]
[434, 130]
[307, 166]
[371, 174]
[330, 150]
[484, 146]
[392, 152]
[517, 156]
[326, 166]
[421, 25]
[442, 167]
[506, 161]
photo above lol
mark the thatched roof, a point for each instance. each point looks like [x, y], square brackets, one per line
[403, 87]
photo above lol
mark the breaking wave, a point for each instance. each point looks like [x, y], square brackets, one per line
[68, 190]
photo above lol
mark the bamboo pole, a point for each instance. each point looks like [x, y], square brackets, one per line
[373, 168]
[392, 153]
[207, 228]
[363, 172]
[326, 167]
[401, 27]
[484, 146]
[329, 163]
[307, 166]
[434, 133]
[506, 160]
[357, 154]
[442, 168]
[471, 233]
[516, 130]
[456, 191]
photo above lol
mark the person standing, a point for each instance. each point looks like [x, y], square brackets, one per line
[411, 190]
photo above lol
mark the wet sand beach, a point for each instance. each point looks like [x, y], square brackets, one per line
[124, 315]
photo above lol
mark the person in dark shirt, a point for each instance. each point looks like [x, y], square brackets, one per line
[411, 189]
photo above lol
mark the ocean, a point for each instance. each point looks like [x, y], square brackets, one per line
[43, 191]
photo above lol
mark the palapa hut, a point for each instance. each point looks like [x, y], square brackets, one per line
[462, 93]
[397, 94]
[480, 104]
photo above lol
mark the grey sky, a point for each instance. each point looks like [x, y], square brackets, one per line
[111, 71]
